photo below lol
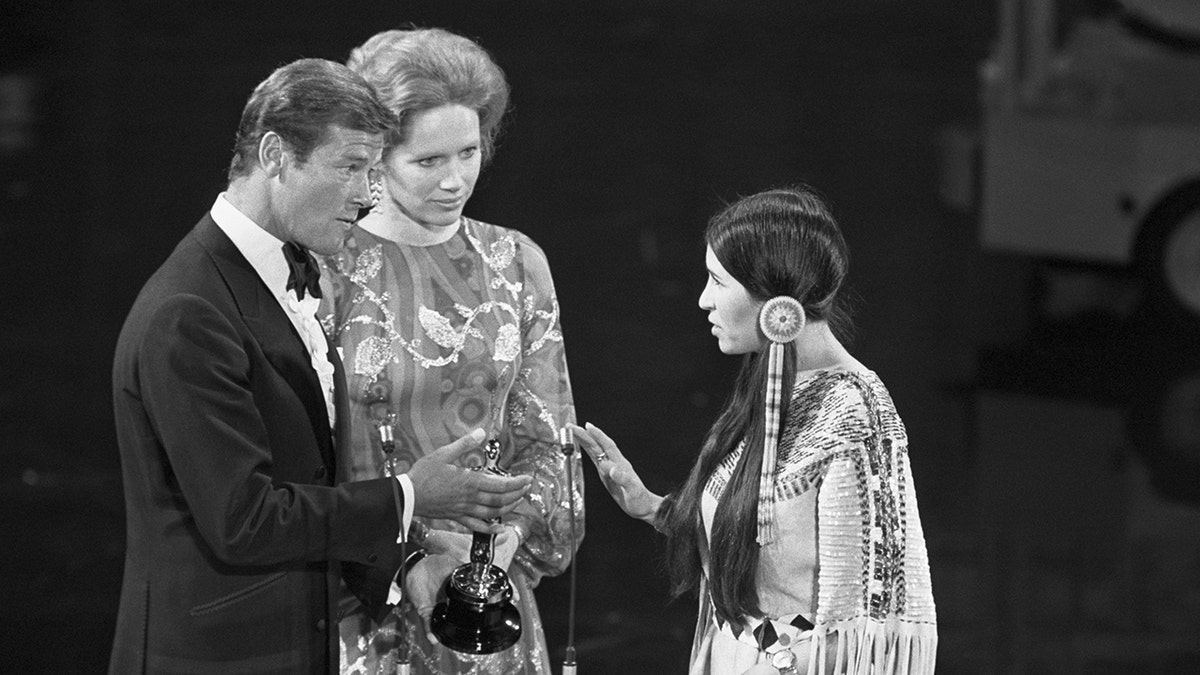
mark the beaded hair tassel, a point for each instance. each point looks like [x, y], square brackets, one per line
[781, 320]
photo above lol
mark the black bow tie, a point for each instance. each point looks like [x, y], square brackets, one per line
[305, 274]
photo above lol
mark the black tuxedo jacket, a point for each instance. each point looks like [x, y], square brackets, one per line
[236, 534]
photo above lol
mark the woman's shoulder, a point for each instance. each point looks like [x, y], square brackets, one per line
[854, 398]
[836, 384]
[844, 400]
[504, 245]
[490, 233]
[359, 258]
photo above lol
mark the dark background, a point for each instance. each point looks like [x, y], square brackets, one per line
[632, 121]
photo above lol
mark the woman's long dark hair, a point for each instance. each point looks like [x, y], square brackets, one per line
[778, 242]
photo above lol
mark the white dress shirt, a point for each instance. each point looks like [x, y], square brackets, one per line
[264, 252]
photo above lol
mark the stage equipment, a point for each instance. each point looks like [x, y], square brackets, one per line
[387, 442]
[567, 443]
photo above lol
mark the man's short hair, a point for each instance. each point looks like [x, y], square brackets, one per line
[300, 101]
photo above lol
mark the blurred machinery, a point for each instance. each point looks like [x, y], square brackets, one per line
[1088, 158]
[1091, 142]
[1084, 172]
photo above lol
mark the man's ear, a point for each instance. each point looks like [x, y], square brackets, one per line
[271, 153]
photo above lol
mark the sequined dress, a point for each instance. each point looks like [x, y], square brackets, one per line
[448, 338]
[846, 579]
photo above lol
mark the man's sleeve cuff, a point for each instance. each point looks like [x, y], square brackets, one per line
[409, 503]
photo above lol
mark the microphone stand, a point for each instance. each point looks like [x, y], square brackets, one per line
[567, 443]
[403, 657]
[388, 443]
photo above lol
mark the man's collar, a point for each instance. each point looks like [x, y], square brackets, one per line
[261, 249]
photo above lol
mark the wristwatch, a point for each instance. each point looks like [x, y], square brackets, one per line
[785, 661]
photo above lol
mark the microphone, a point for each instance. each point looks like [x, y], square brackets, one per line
[566, 440]
[387, 438]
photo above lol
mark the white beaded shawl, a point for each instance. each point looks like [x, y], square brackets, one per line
[874, 610]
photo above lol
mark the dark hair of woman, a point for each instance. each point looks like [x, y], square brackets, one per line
[779, 242]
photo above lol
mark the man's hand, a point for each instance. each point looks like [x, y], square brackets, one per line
[423, 584]
[472, 498]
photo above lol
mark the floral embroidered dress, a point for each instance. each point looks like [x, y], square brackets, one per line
[846, 580]
[443, 339]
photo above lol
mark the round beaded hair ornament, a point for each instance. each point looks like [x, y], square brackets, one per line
[781, 319]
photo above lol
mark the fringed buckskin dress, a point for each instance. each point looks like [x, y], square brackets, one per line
[845, 583]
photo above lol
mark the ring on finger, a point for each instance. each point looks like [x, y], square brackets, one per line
[600, 457]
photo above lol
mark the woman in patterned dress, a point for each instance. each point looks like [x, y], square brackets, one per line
[798, 524]
[448, 324]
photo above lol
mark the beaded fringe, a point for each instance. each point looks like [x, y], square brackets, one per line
[766, 478]
[875, 647]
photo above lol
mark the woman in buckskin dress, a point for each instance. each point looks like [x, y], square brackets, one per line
[798, 524]
[448, 324]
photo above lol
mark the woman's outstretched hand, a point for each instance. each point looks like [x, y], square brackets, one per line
[617, 474]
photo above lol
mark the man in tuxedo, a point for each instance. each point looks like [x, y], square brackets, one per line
[230, 405]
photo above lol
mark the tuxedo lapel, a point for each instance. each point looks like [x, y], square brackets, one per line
[271, 327]
[341, 401]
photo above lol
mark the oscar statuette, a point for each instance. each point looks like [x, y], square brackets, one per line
[477, 616]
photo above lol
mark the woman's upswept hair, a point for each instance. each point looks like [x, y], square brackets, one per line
[779, 242]
[423, 68]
